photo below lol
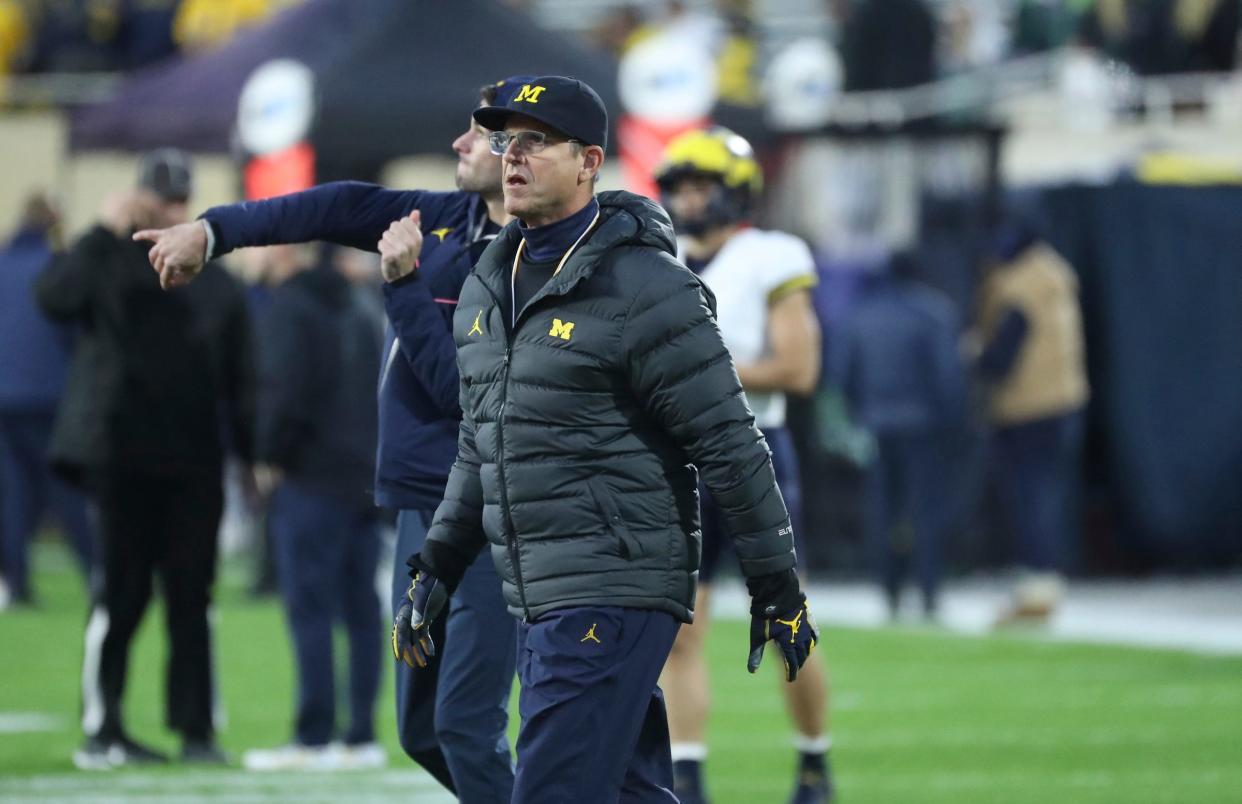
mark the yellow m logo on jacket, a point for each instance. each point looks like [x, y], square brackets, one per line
[561, 329]
[529, 94]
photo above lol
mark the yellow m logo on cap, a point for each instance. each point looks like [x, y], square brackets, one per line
[561, 329]
[529, 94]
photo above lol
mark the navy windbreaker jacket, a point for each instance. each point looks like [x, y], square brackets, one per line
[418, 384]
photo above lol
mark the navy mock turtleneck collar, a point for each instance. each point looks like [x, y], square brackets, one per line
[544, 243]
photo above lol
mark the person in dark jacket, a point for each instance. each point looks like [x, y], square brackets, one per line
[886, 44]
[34, 356]
[595, 387]
[1159, 37]
[157, 382]
[896, 359]
[318, 358]
[451, 715]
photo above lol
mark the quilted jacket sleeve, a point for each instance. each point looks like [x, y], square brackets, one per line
[456, 535]
[681, 371]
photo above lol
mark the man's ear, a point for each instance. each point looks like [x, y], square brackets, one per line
[592, 161]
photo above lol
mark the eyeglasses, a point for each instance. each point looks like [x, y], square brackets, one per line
[528, 142]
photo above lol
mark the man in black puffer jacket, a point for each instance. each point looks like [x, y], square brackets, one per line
[594, 381]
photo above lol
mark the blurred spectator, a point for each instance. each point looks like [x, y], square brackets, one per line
[616, 31]
[206, 24]
[1033, 359]
[14, 35]
[146, 33]
[92, 35]
[725, 32]
[257, 267]
[34, 355]
[362, 269]
[1042, 25]
[74, 36]
[696, 27]
[886, 44]
[158, 378]
[896, 359]
[737, 55]
[1157, 37]
[973, 35]
[317, 427]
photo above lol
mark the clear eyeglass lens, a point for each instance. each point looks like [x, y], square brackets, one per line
[529, 142]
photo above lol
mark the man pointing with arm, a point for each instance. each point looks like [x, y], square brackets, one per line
[451, 716]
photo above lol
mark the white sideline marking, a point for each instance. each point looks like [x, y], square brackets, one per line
[1089, 695]
[227, 785]
[1203, 616]
[27, 722]
[891, 779]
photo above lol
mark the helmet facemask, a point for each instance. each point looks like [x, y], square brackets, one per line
[724, 207]
[720, 157]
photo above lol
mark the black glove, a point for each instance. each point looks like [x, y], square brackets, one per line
[411, 628]
[779, 613]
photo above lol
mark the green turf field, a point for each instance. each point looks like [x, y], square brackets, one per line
[920, 716]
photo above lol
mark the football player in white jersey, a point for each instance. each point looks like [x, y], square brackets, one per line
[709, 181]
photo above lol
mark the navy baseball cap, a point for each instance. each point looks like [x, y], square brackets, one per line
[507, 88]
[566, 104]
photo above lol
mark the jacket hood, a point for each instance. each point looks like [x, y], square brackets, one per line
[628, 218]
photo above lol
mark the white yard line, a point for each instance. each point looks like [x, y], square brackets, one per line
[1204, 616]
[26, 722]
[356, 787]
[172, 795]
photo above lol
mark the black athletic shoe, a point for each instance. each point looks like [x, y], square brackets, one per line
[204, 752]
[688, 782]
[92, 756]
[126, 751]
[98, 753]
[691, 797]
[813, 788]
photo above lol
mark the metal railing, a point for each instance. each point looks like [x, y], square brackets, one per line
[56, 89]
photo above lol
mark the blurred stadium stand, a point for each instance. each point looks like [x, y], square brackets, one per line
[1112, 160]
[778, 22]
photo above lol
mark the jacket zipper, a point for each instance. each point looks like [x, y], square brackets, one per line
[510, 531]
[510, 335]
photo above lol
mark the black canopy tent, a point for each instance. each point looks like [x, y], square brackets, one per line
[191, 102]
[407, 80]
[392, 78]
